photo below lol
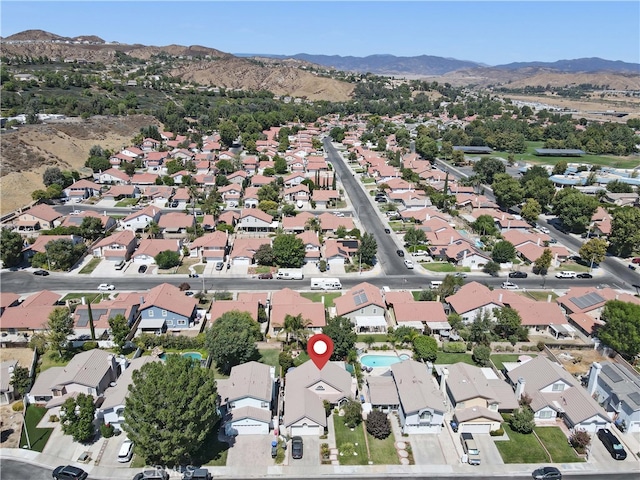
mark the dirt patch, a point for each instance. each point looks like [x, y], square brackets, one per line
[578, 362]
[24, 356]
[11, 427]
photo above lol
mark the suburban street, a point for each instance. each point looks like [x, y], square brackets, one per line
[391, 263]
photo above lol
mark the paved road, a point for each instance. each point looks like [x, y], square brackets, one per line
[389, 260]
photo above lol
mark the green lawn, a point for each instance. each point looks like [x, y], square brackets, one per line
[346, 435]
[383, 452]
[92, 297]
[521, 448]
[91, 266]
[300, 359]
[499, 359]
[539, 295]
[438, 266]
[556, 443]
[377, 337]
[127, 202]
[576, 267]
[447, 358]
[270, 357]
[50, 358]
[37, 436]
[317, 297]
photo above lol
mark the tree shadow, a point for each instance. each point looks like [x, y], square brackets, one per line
[4, 436]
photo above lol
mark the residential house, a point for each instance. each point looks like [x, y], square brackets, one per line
[118, 192]
[176, 224]
[298, 194]
[407, 312]
[364, 306]
[231, 195]
[477, 396]
[141, 219]
[7, 300]
[108, 223]
[211, 247]
[40, 245]
[255, 220]
[293, 179]
[297, 223]
[422, 405]
[330, 222]
[616, 386]
[150, 247]
[144, 179]
[306, 387]
[250, 198]
[112, 176]
[473, 299]
[31, 315]
[325, 198]
[248, 399]
[168, 304]
[117, 247]
[125, 304]
[311, 246]
[88, 372]
[81, 190]
[289, 302]
[244, 249]
[261, 180]
[38, 217]
[237, 177]
[556, 394]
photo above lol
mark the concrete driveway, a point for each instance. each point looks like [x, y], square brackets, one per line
[254, 450]
[489, 454]
[427, 449]
[310, 453]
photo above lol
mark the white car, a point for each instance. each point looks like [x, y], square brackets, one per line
[103, 287]
[339, 214]
[509, 286]
[408, 264]
[126, 451]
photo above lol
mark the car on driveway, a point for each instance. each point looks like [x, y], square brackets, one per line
[69, 472]
[518, 275]
[408, 264]
[219, 266]
[296, 447]
[265, 276]
[584, 275]
[400, 253]
[142, 269]
[104, 287]
[612, 443]
[41, 273]
[547, 473]
[189, 293]
[126, 451]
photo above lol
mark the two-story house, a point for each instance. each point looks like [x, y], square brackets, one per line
[365, 307]
[255, 220]
[168, 305]
[210, 247]
[117, 247]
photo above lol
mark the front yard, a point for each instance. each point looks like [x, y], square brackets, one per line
[38, 437]
[381, 452]
[522, 448]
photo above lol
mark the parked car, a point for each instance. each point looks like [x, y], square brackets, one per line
[632, 267]
[509, 286]
[69, 472]
[265, 276]
[154, 474]
[612, 443]
[518, 275]
[339, 214]
[584, 275]
[400, 253]
[41, 273]
[636, 260]
[103, 287]
[174, 204]
[470, 448]
[219, 266]
[386, 230]
[197, 474]
[547, 473]
[408, 264]
[189, 293]
[142, 269]
[126, 451]
[460, 275]
[296, 447]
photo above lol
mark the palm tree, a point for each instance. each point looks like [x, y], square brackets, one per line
[297, 326]
[153, 230]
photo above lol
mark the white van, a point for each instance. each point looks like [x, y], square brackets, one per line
[289, 274]
[436, 283]
[126, 451]
[566, 274]
[326, 284]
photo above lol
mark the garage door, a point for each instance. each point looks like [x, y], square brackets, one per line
[475, 428]
[250, 428]
[304, 430]
[241, 261]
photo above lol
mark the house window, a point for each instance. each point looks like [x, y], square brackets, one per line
[151, 313]
[545, 414]
[375, 310]
[182, 322]
[164, 313]
[558, 387]
[425, 417]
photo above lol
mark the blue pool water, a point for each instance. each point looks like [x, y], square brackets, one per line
[381, 360]
[193, 355]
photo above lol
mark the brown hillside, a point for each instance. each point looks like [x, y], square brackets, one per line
[28, 151]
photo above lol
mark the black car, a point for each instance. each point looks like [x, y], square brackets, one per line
[584, 275]
[547, 473]
[612, 443]
[69, 472]
[518, 275]
[152, 475]
[400, 253]
[197, 474]
[386, 230]
[142, 268]
[41, 273]
[296, 447]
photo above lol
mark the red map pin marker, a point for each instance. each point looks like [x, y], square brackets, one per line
[320, 349]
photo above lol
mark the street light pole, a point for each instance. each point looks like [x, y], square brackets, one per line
[24, 421]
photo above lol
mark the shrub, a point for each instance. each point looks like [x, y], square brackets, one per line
[497, 433]
[352, 414]
[17, 406]
[86, 346]
[378, 424]
[325, 451]
[540, 346]
[107, 430]
[580, 439]
[454, 347]
[54, 418]
[348, 449]
[522, 420]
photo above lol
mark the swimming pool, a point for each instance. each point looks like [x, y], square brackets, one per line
[192, 355]
[382, 360]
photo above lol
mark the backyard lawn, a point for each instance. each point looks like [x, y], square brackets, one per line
[51, 358]
[37, 436]
[355, 437]
[448, 358]
[539, 295]
[270, 357]
[499, 359]
[317, 297]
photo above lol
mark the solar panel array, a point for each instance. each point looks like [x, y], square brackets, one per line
[588, 300]
[635, 397]
[83, 315]
[611, 372]
[360, 297]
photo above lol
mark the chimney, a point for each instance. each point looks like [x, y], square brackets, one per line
[520, 388]
[500, 298]
[503, 216]
[594, 373]
[141, 300]
[443, 380]
[538, 242]
[451, 240]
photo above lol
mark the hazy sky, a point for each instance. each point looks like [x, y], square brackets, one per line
[483, 31]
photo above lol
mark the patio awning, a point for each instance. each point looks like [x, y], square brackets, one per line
[439, 325]
[371, 321]
[151, 323]
[414, 324]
